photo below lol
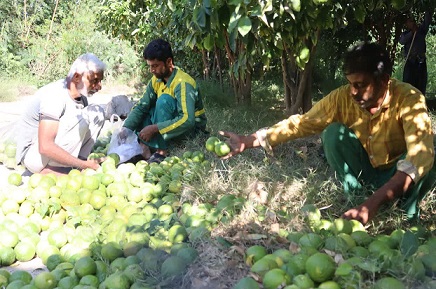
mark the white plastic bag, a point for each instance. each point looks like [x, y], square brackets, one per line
[127, 147]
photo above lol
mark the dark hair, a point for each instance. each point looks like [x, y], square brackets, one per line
[369, 58]
[158, 49]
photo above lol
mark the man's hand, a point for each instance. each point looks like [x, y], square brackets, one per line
[235, 142]
[148, 132]
[122, 135]
[395, 188]
[361, 213]
[93, 163]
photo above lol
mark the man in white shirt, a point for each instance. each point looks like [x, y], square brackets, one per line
[58, 128]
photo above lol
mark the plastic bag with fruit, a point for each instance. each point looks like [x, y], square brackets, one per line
[124, 142]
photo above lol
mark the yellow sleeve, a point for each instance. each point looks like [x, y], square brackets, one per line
[302, 125]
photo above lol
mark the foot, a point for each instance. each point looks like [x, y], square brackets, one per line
[156, 158]
[146, 153]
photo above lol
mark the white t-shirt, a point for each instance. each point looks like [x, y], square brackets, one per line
[51, 101]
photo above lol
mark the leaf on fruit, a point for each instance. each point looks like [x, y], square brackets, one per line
[409, 244]
[369, 265]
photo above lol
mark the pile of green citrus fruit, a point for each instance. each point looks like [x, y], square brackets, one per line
[121, 226]
[342, 254]
[7, 154]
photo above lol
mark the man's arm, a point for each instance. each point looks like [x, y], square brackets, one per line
[395, 188]
[47, 133]
[136, 116]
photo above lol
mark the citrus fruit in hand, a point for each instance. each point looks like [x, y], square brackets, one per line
[222, 149]
[211, 142]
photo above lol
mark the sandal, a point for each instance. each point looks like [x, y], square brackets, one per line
[156, 158]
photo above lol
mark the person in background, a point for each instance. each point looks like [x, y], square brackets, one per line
[58, 128]
[414, 50]
[375, 131]
[171, 107]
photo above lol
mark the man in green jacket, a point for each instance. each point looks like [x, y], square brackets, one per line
[171, 107]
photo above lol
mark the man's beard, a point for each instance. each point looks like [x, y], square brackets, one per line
[85, 92]
[164, 74]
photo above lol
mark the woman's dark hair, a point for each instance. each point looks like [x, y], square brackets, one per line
[158, 49]
[369, 58]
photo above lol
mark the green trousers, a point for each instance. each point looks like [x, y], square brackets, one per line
[346, 155]
[165, 109]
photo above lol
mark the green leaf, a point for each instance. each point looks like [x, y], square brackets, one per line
[235, 2]
[359, 13]
[207, 4]
[244, 25]
[200, 16]
[268, 7]
[232, 39]
[296, 5]
[171, 5]
[409, 244]
[343, 270]
[208, 42]
[233, 22]
[224, 242]
[369, 265]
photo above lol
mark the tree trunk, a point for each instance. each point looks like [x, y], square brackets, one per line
[205, 58]
[303, 101]
[217, 66]
[242, 82]
[286, 80]
[244, 89]
[291, 79]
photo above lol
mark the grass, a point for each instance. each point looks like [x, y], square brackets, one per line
[275, 187]
[296, 175]
[11, 89]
